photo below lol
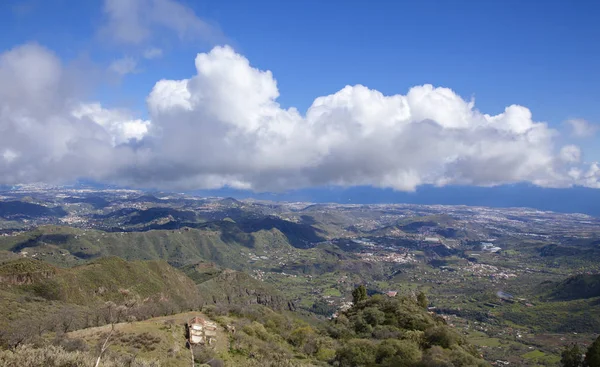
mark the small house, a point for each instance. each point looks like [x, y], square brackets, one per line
[201, 331]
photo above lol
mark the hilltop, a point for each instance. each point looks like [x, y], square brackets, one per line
[581, 286]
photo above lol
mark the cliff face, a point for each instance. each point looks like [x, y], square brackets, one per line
[25, 271]
[233, 287]
[25, 278]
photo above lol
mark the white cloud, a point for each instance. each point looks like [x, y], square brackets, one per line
[134, 22]
[120, 125]
[570, 154]
[227, 116]
[40, 139]
[123, 66]
[581, 128]
[153, 53]
[223, 126]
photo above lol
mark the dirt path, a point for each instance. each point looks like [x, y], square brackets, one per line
[170, 330]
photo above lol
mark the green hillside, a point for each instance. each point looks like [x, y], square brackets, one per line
[36, 297]
[222, 242]
[28, 210]
[581, 286]
[234, 287]
[106, 279]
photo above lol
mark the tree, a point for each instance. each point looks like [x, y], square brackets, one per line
[592, 357]
[109, 307]
[396, 353]
[18, 333]
[359, 294]
[374, 316]
[66, 317]
[572, 356]
[422, 300]
[442, 336]
[356, 353]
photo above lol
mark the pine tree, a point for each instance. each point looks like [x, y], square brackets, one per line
[359, 294]
[422, 300]
[572, 356]
[592, 357]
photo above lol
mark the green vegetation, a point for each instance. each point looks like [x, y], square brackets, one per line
[60, 315]
[57, 356]
[384, 331]
[577, 287]
[135, 260]
[572, 356]
[359, 294]
[592, 356]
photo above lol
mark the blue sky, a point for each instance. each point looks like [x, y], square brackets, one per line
[541, 55]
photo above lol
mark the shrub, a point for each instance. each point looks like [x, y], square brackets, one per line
[301, 336]
[436, 357]
[202, 354]
[56, 356]
[325, 354]
[356, 353]
[441, 336]
[373, 316]
[387, 332]
[392, 352]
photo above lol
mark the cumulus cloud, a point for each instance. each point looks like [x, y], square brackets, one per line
[134, 22]
[123, 66]
[570, 154]
[119, 124]
[40, 139]
[223, 126]
[228, 114]
[581, 128]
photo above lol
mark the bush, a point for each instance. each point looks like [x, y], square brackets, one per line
[301, 336]
[441, 336]
[357, 353]
[257, 330]
[202, 354]
[325, 354]
[72, 344]
[436, 357]
[56, 356]
[374, 316]
[387, 332]
[392, 352]
[461, 358]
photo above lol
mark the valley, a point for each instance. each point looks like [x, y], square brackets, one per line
[516, 283]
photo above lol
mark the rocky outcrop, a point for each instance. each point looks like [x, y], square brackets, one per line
[25, 271]
[237, 288]
[25, 278]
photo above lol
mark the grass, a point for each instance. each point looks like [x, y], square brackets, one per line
[161, 338]
[534, 355]
[485, 341]
[332, 292]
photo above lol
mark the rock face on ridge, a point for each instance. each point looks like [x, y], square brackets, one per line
[234, 287]
[25, 271]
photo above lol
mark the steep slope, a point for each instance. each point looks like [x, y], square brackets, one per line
[106, 279]
[25, 271]
[581, 286]
[237, 288]
[20, 209]
[36, 297]
[223, 242]
[230, 287]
